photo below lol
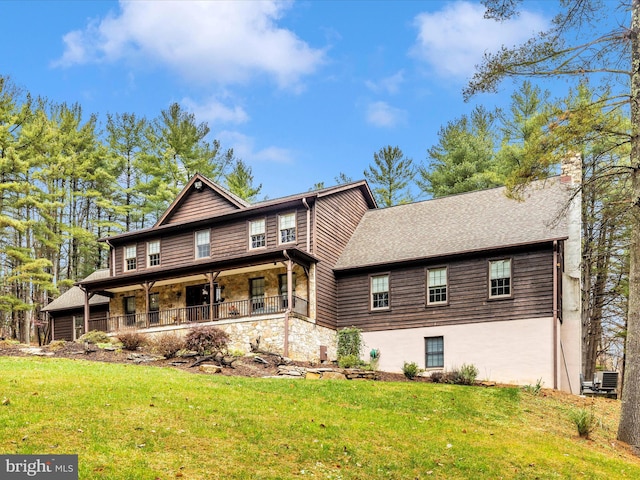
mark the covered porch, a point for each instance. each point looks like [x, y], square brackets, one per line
[234, 310]
[276, 283]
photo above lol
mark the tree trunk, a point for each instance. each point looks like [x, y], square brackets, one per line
[629, 427]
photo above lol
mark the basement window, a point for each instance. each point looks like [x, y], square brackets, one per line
[434, 348]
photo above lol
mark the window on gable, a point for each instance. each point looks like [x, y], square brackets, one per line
[287, 227]
[379, 292]
[153, 253]
[203, 244]
[130, 260]
[257, 233]
[500, 278]
[434, 348]
[437, 285]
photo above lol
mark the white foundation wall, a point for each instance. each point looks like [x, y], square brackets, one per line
[519, 352]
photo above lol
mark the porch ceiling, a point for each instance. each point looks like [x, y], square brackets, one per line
[163, 276]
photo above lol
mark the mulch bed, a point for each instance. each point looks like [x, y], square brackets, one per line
[243, 367]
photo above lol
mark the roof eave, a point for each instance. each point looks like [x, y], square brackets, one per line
[444, 256]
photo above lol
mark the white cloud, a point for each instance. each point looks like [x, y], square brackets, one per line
[453, 40]
[388, 84]
[381, 114]
[224, 42]
[213, 111]
[244, 148]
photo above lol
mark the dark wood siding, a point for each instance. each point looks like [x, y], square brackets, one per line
[227, 240]
[532, 296]
[337, 216]
[63, 320]
[196, 205]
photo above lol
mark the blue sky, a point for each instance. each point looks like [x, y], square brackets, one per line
[302, 91]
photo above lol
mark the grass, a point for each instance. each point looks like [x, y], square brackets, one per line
[137, 422]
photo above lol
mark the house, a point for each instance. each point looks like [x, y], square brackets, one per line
[472, 278]
[475, 278]
[254, 270]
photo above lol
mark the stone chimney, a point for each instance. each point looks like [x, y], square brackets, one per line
[571, 169]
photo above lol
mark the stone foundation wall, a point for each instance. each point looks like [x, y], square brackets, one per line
[305, 337]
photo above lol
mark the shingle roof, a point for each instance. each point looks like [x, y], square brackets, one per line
[457, 224]
[74, 297]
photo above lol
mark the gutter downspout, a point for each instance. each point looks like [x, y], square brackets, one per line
[112, 263]
[555, 314]
[306, 205]
[289, 302]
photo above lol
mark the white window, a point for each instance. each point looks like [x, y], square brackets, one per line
[287, 227]
[500, 278]
[257, 236]
[153, 253]
[203, 244]
[379, 292]
[437, 285]
[130, 260]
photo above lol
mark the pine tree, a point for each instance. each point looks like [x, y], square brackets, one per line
[391, 176]
[240, 182]
[464, 158]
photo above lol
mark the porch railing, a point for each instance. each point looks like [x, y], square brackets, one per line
[201, 313]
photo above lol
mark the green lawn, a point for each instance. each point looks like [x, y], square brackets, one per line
[137, 422]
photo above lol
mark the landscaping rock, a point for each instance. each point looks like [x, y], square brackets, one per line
[37, 352]
[205, 368]
[144, 358]
[331, 375]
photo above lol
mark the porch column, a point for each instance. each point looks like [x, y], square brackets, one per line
[87, 311]
[147, 288]
[212, 276]
[289, 264]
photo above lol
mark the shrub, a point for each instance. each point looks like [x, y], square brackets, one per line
[131, 340]
[167, 344]
[466, 375]
[534, 389]
[442, 376]
[349, 342]
[349, 361]
[94, 336]
[410, 370]
[56, 345]
[207, 340]
[584, 420]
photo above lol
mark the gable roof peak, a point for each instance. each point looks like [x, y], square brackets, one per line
[198, 183]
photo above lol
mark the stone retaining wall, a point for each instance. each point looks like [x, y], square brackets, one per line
[305, 337]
